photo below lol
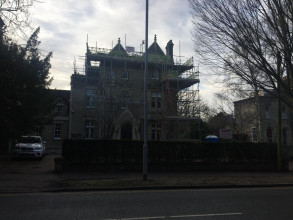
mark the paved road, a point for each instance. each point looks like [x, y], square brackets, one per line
[261, 203]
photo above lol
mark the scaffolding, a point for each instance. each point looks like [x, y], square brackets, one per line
[173, 91]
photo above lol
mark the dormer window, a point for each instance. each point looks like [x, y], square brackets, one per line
[59, 109]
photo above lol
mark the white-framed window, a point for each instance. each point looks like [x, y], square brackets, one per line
[57, 131]
[125, 75]
[254, 135]
[156, 101]
[89, 129]
[59, 109]
[91, 98]
[156, 131]
[155, 75]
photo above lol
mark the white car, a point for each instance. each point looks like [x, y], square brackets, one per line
[29, 146]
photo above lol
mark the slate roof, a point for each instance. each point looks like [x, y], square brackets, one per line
[118, 50]
[155, 48]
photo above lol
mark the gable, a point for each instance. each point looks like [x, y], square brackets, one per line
[155, 49]
[118, 50]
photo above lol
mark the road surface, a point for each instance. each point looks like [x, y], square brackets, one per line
[208, 204]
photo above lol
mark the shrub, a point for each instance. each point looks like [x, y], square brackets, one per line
[125, 151]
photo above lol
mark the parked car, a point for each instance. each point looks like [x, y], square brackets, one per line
[29, 146]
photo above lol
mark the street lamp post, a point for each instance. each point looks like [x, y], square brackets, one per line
[145, 144]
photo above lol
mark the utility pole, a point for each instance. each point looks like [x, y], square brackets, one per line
[279, 112]
[145, 144]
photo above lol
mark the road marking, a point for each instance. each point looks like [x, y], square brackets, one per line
[206, 215]
[177, 216]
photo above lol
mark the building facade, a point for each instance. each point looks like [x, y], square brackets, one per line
[256, 119]
[107, 102]
[54, 127]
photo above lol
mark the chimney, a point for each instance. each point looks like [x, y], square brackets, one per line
[169, 51]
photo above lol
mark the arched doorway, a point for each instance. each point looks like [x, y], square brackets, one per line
[126, 131]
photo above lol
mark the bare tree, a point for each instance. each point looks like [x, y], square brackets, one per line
[16, 15]
[244, 38]
[235, 88]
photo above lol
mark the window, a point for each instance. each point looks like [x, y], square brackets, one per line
[89, 129]
[57, 131]
[125, 75]
[92, 71]
[155, 75]
[284, 136]
[124, 99]
[284, 113]
[254, 135]
[112, 78]
[123, 105]
[91, 98]
[268, 114]
[59, 109]
[156, 131]
[156, 101]
[269, 135]
[37, 130]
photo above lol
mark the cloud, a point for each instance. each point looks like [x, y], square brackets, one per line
[66, 24]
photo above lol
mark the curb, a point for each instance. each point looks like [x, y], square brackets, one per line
[134, 188]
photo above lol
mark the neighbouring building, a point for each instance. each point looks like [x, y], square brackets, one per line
[107, 102]
[256, 119]
[54, 127]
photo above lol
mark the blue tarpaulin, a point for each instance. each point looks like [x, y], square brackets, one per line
[212, 138]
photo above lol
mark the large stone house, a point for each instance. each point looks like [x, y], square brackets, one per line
[256, 119]
[108, 100]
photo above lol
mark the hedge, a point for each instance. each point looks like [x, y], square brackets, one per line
[120, 151]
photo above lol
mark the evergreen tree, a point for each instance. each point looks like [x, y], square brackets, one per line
[23, 87]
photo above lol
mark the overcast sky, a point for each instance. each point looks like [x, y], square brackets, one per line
[66, 24]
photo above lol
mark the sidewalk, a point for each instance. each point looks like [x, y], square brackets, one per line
[23, 176]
